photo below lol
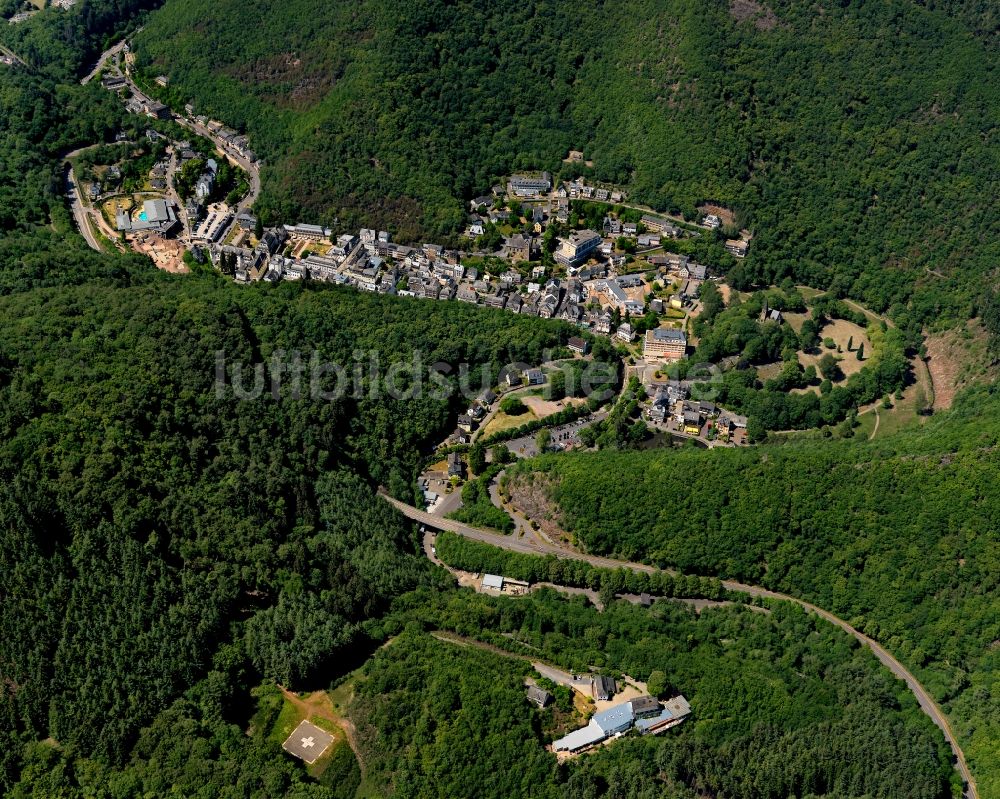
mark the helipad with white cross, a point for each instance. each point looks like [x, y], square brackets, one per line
[307, 742]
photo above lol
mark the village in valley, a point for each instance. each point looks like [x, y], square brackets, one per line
[571, 250]
[180, 188]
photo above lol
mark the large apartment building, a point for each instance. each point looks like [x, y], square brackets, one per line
[530, 185]
[577, 247]
[665, 344]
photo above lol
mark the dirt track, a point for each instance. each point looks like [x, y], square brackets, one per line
[318, 704]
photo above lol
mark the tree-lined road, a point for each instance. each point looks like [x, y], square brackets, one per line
[13, 56]
[107, 54]
[80, 214]
[535, 547]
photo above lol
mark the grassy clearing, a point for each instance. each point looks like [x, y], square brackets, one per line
[288, 719]
[842, 332]
[504, 422]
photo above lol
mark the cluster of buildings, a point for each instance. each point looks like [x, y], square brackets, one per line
[669, 405]
[157, 216]
[233, 142]
[645, 713]
[138, 104]
[540, 185]
[593, 295]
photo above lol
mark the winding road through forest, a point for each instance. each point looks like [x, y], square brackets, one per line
[539, 547]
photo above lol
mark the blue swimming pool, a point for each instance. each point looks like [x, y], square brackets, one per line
[143, 217]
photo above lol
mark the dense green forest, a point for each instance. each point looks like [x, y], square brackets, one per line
[773, 696]
[65, 43]
[855, 139]
[165, 547]
[898, 537]
[139, 505]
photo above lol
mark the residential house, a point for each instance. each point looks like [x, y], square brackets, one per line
[510, 278]
[467, 294]
[659, 410]
[692, 422]
[728, 423]
[571, 312]
[578, 345]
[344, 245]
[456, 466]
[625, 333]
[547, 305]
[538, 696]
[737, 247]
[511, 379]
[603, 688]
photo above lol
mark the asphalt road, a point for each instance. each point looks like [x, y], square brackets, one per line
[535, 547]
[111, 51]
[15, 56]
[80, 214]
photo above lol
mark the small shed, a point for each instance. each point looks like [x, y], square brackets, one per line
[493, 582]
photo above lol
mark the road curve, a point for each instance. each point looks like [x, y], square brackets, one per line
[534, 547]
[111, 51]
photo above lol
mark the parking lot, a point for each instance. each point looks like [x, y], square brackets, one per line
[564, 437]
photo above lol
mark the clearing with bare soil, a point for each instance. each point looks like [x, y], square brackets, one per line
[957, 359]
[529, 495]
[542, 407]
[763, 18]
[319, 706]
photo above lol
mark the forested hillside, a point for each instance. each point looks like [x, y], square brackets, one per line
[773, 695]
[899, 537]
[146, 519]
[856, 140]
[165, 548]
